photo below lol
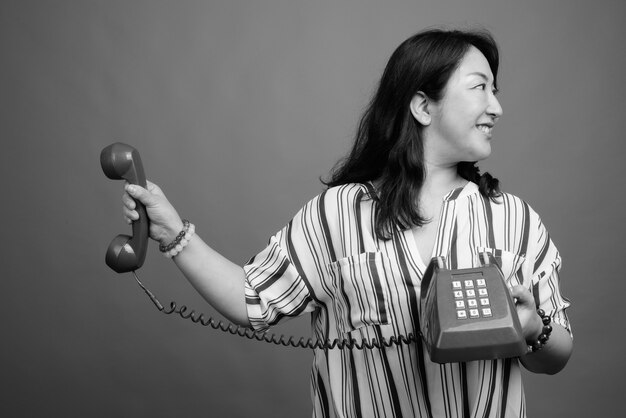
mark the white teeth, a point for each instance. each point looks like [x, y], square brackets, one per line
[484, 128]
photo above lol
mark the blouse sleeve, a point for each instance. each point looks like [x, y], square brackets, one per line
[280, 280]
[545, 279]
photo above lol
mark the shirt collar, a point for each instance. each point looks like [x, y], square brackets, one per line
[460, 192]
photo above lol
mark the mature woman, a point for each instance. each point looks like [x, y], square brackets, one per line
[354, 256]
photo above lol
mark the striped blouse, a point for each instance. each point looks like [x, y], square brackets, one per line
[328, 262]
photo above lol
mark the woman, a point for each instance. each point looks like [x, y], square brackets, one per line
[354, 256]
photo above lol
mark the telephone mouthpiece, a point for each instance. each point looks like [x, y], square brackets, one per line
[121, 256]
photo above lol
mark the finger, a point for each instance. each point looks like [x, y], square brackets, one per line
[128, 201]
[521, 294]
[133, 189]
[139, 193]
[129, 214]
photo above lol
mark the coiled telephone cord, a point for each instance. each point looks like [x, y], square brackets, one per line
[341, 344]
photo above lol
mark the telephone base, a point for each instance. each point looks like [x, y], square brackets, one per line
[468, 314]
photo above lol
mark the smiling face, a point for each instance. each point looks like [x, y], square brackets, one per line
[461, 123]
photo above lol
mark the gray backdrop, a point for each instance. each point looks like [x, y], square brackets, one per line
[237, 108]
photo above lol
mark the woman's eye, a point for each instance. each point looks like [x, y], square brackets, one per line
[481, 86]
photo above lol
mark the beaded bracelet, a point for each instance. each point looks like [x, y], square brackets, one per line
[190, 231]
[182, 239]
[545, 332]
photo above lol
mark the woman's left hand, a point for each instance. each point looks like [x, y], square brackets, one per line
[554, 355]
[527, 312]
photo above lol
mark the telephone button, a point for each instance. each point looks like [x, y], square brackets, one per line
[484, 301]
[469, 284]
[470, 293]
[474, 313]
[482, 292]
[456, 284]
[458, 294]
[481, 282]
[472, 303]
[460, 304]
[486, 311]
[461, 314]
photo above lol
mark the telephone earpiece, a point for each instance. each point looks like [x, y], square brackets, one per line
[126, 253]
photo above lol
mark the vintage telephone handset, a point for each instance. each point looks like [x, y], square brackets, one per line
[465, 314]
[127, 253]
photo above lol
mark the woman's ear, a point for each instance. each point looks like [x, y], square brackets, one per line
[419, 108]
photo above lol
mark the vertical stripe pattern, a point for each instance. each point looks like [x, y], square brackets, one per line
[328, 262]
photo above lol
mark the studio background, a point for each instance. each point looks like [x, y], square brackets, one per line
[237, 108]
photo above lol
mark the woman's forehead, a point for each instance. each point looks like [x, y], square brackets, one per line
[474, 63]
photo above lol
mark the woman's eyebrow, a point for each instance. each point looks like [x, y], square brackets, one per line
[480, 74]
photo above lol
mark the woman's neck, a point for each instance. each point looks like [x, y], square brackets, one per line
[440, 180]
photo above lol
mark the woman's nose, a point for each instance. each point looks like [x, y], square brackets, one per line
[494, 109]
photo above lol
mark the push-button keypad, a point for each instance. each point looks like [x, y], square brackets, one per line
[471, 298]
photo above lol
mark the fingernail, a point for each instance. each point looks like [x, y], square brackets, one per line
[131, 189]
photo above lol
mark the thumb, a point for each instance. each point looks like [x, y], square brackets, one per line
[522, 295]
[154, 189]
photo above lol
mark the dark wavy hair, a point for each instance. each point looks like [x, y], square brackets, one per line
[388, 146]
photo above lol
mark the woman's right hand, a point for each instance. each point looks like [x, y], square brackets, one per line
[165, 224]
